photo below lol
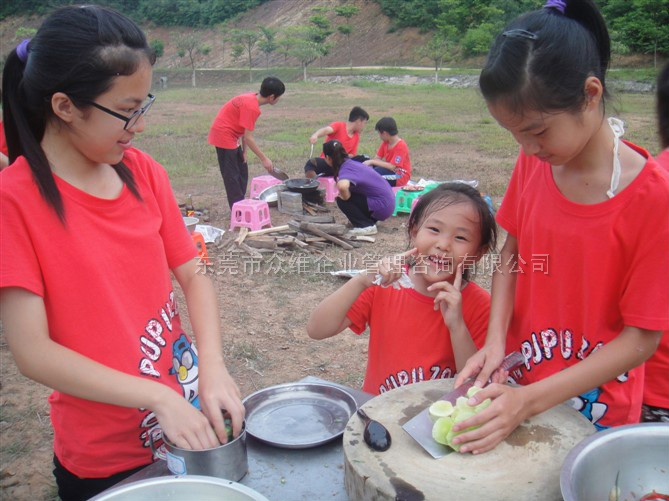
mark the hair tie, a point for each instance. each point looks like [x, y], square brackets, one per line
[559, 5]
[22, 50]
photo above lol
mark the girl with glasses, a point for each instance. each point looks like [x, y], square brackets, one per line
[90, 233]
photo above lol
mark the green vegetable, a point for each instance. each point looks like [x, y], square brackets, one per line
[442, 430]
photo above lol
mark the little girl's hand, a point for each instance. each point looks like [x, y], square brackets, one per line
[390, 269]
[449, 298]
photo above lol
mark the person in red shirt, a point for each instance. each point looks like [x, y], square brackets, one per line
[93, 247]
[656, 387]
[425, 317]
[232, 134]
[347, 133]
[581, 287]
[393, 160]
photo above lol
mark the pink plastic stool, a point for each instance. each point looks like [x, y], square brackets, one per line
[251, 214]
[330, 186]
[260, 183]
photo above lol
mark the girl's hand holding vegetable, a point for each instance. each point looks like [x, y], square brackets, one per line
[218, 394]
[507, 411]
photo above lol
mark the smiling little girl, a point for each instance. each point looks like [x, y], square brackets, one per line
[424, 315]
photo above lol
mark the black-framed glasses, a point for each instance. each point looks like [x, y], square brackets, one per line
[132, 119]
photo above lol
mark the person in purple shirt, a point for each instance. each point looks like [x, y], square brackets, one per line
[364, 196]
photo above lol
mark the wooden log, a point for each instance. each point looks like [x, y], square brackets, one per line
[264, 231]
[330, 229]
[254, 253]
[362, 238]
[328, 218]
[522, 466]
[317, 231]
[243, 232]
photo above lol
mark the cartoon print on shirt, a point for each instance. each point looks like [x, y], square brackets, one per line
[588, 404]
[185, 367]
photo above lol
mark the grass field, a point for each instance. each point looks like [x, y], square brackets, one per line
[449, 130]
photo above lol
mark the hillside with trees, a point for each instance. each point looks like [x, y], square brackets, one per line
[219, 34]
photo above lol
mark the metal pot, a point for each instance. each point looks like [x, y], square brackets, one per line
[636, 457]
[271, 194]
[181, 489]
[302, 185]
[228, 461]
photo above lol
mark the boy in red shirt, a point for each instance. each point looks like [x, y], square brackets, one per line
[392, 160]
[347, 133]
[232, 132]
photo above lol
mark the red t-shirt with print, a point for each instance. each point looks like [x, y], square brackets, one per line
[584, 272]
[408, 340]
[399, 156]
[105, 280]
[339, 133]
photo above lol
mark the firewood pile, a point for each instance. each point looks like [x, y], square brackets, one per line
[309, 233]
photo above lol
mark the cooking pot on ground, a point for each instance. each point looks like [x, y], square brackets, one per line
[302, 185]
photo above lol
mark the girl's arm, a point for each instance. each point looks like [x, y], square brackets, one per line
[380, 162]
[51, 364]
[488, 359]
[217, 389]
[344, 189]
[329, 318]
[511, 406]
[449, 303]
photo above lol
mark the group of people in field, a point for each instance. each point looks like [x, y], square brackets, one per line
[364, 184]
[92, 236]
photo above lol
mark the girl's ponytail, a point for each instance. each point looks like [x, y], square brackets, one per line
[586, 13]
[24, 127]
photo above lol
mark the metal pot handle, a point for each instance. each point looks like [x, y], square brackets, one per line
[158, 452]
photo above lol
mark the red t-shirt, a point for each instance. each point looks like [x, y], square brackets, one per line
[656, 389]
[583, 273]
[105, 280]
[235, 117]
[399, 156]
[408, 340]
[350, 143]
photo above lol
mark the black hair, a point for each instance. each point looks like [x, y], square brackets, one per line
[272, 86]
[455, 193]
[542, 59]
[79, 51]
[663, 106]
[357, 113]
[387, 124]
[337, 153]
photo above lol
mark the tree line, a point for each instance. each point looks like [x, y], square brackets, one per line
[459, 28]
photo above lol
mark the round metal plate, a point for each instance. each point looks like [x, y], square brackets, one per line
[298, 415]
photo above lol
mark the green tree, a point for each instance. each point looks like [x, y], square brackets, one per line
[437, 49]
[347, 12]
[192, 46]
[643, 25]
[267, 42]
[158, 47]
[247, 39]
[304, 48]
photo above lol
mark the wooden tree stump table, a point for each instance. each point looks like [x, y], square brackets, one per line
[526, 466]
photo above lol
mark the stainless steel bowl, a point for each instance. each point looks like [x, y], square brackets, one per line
[638, 455]
[187, 488]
